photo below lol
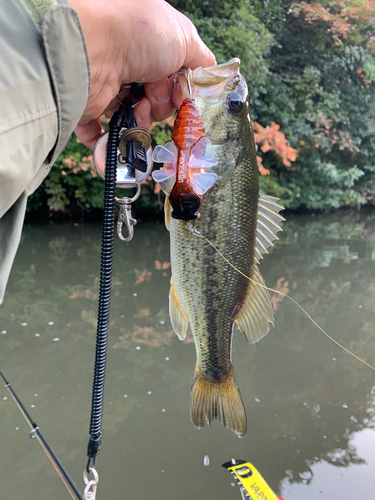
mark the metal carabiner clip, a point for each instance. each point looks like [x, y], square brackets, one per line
[91, 486]
[125, 215]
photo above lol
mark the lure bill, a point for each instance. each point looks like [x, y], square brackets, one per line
[212, 159]
[250, 481]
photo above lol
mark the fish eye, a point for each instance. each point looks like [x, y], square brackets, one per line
[235, 103]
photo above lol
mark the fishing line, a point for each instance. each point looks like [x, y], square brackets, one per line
[289, 297]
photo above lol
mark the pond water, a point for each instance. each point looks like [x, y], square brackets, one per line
[310, 405]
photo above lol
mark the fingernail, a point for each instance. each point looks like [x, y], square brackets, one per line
[161, 91]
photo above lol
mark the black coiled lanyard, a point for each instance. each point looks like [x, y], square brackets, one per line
[124, 149]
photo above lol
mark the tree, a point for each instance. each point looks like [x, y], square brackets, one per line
[310, 68]
[320, 91]
[312, 75]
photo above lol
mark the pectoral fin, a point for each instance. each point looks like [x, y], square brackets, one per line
[257, 312]
[167, 212]
[178, 317]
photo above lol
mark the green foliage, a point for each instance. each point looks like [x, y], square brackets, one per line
[232, 29]
[161, 135]
[67, 191]
[310, 68]
[319, 91]
[369, 68]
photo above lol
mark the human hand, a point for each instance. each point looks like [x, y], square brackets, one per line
[135, 41]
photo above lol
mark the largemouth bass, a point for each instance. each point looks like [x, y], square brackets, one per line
[206, 292]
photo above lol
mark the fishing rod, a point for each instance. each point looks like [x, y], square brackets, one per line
[36, 433]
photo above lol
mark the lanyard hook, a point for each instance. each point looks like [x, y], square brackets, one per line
[90, 488]
[125, 216]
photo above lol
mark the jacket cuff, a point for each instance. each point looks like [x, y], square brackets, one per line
[69, 69]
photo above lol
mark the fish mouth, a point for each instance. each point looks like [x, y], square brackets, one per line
[213, 84]
[213, 75]
[210, 82]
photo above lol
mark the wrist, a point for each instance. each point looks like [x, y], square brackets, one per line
[96, 19]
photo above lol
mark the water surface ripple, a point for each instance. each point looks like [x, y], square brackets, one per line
[310, 406]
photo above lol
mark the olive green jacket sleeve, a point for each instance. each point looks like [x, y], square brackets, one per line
[44, 86]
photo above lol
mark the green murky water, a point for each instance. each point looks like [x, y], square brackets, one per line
[310, 406]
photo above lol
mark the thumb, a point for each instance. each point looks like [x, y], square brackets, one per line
[197, 52]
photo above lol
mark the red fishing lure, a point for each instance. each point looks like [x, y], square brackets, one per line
[184, 177]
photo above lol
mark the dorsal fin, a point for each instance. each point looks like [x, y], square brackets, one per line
[257, 312]
[268, 224]
[178, 317]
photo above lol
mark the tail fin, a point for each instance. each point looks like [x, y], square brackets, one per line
[217, 400]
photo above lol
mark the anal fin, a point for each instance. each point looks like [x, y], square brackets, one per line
[217, 400]
[257, 312]
[178, 317]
